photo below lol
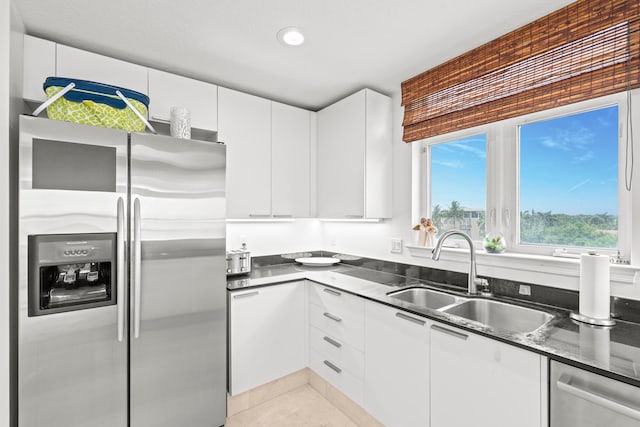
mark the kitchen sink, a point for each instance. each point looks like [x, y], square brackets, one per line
[424, 297]
[501, 315]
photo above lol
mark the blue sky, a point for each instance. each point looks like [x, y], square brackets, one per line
[568, 165]
[458, 172]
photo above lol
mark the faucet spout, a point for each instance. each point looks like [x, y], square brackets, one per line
[473, 280]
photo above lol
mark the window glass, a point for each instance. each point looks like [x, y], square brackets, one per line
[569, 180]
[458, 185]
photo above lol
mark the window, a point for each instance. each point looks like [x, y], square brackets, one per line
[458, 185]
[549, 180]
[569, 180]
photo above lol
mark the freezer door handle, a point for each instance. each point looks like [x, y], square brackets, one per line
[121, 268]
[137, 257]
[566, 384]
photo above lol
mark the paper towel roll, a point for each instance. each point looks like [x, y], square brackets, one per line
[595, 290]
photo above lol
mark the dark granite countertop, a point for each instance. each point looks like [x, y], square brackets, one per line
[614, 352]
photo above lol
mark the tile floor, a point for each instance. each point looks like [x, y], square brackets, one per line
[301, 407]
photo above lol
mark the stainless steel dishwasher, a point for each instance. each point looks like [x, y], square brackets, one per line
[579, 398]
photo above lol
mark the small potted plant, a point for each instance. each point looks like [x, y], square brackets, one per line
[494, 243]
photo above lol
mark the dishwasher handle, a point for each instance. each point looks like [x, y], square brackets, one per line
[566, 384]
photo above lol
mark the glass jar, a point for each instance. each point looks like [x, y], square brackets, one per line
[494, 243]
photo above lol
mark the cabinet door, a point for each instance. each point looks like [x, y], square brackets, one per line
[290, 168]
[494, 383]
[396, 366]
[79, 64]
[378, 159]
[341, 148]
[266, 334]
[39, 63]
[167, 90]
[244, 124]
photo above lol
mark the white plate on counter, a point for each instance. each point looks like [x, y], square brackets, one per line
[317, 261]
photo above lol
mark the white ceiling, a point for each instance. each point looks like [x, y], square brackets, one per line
[350, 44]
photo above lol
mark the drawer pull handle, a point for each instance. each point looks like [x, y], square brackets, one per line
[248, 294]
[449, 332]
[332, 292]
[332, 342]
[332, 317]
[332, 366]
[410, 319]
[566, 384]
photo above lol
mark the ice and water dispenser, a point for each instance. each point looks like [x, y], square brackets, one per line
[71, 272]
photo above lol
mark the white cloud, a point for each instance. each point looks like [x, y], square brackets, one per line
[453, 164]
[481, 153]
[578, 185]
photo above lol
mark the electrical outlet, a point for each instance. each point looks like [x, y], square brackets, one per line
[396, 246]
[525, 290]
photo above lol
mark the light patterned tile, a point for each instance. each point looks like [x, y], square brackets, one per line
[297, 408]
[318, 383]
[277, 387]
[237, 403]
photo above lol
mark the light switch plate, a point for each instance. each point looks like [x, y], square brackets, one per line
[396, 246]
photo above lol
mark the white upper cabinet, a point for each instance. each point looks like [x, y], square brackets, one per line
[167, 90]
[496, 384]
[268, 149]
[244, 124]
[79, 64]
[39, 63]
[354, 157]
[290, 148]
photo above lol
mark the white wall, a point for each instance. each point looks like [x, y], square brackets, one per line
[11, 36]
[268, 238]
[5, 29]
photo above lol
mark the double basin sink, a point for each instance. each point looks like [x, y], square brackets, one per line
[495, 314]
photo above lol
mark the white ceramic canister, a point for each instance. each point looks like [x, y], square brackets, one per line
[180, 125]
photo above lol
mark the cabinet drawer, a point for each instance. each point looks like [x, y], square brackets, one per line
[337, 376]
[346, 356]
[335, 300]
[342, 324]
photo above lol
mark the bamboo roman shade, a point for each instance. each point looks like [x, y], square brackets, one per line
[588, 49]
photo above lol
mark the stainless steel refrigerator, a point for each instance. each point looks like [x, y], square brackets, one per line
[122, 285]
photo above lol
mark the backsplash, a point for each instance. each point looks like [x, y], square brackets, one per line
[406, 274]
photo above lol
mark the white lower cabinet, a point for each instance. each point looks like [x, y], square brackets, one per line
[267, 330]
[478, 381]
[336, 339]
[396, 366]
[405, 370]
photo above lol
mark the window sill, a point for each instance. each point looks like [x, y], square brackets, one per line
[539, 269]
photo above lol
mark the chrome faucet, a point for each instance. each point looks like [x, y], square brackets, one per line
[474, 281]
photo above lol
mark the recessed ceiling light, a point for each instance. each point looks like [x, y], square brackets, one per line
[290, 36]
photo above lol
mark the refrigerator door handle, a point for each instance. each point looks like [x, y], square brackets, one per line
[121, 267]
[137, 257]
